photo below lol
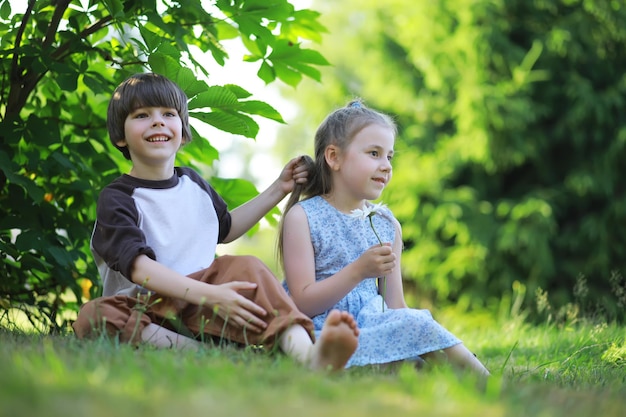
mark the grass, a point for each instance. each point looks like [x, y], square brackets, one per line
[547, 370]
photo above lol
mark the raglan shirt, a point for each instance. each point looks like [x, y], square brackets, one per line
[178, 222]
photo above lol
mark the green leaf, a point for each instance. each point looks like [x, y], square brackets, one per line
[268, 9]
[251, 27]
[234, 191]
[63, 161]
[8, 249]
[171, 68]
[96, 82]
[33, 190]
[260, 108]
[163, 64]
[200, 148]
[32, 262]
[151, 39]
[266, 72]
[67, 80]
[171, 50]
[307, 70]
[287, 75]
[257, 47]
[225, 30]
[311, 56]
[304, 25]
[284, 50]
[238, 91]
[218, 53]
[115, 8]
[214, 96]
[28, 240]
[5, 10]
[60, 255]
[231, 122]
[41, 131]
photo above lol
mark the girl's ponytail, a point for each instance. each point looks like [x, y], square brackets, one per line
[299, 191]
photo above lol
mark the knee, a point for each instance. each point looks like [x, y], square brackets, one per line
[254, 263]
[90, 322]
[111, 317]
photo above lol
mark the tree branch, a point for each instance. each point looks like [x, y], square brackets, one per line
[23, 85]
[53, 27]
[83, 35]
[15, 76]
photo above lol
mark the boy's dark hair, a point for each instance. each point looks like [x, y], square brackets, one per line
[145, 90]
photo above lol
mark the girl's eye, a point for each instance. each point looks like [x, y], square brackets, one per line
[171, 114]
[374, 153]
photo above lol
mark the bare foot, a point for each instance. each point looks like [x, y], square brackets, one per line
[337, 343]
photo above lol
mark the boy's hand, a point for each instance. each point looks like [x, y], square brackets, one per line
[295, 172]
[236, 309]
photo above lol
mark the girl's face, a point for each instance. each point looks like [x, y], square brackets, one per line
[153, 135]
[364, 167]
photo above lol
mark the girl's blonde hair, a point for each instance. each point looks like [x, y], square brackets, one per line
[338, 128]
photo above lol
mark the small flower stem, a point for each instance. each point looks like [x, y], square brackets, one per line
[380, 242]
[374, 230]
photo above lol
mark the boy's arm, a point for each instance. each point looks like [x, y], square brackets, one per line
[248, 214]
[224, 298]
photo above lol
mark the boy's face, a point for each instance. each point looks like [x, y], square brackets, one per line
[153, 135]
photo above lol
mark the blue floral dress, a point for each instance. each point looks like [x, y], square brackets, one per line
[385, 336]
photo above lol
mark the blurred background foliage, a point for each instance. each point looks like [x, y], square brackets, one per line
[509, 168]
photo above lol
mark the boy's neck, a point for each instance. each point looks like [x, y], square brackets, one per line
[152, 173]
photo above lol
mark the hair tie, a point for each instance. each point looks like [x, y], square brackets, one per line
[355, 104]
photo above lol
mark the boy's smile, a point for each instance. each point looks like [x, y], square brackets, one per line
[158, 139]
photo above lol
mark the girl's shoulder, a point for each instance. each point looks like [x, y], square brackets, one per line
[315, 203]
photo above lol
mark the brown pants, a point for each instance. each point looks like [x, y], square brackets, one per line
[126, 317]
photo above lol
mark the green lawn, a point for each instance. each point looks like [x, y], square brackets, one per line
[548, 370]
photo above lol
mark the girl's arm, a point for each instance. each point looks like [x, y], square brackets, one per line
[248, 214]
[224, 298]
[313, 297]
[394, 294]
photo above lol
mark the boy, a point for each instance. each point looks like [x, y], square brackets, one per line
[155, 238]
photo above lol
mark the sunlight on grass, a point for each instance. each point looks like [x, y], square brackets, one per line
[544, 370]
[568, 369]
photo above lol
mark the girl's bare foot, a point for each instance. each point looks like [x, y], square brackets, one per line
[337, 343]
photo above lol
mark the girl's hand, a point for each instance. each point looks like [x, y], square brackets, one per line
[236, 309]
[377, 261]
[295, 172]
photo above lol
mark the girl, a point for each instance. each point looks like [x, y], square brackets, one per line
[335, 242]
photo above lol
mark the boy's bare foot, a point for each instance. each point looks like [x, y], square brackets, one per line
[337, 343]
